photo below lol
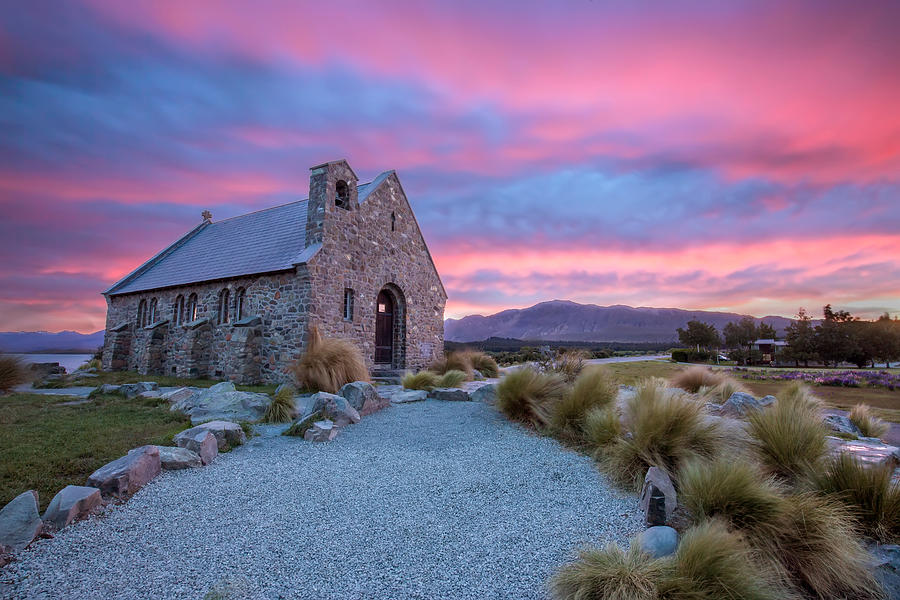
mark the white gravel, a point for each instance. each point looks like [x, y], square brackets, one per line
[424, 500]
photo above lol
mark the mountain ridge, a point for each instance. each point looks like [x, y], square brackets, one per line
[50, 342]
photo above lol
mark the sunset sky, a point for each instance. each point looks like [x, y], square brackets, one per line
[740, 156]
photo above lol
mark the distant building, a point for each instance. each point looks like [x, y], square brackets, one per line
[770, 349]
[235, 299]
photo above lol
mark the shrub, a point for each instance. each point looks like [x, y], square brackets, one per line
[789, 437]
[460, 360]
[601, 427]
[722, 391]
[693, 378]
[94, 363]
[451, 379]
[329, 363]
[869, 425]
[282, 409]
[666, 430]
[568, 364]
[486, 365]
[867, 491]
[609, 573]
[12, 372]
[423, 380]
[712, 562]
[528, 395]
[734, 491]
[593, 388]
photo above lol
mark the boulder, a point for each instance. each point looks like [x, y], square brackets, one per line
[477, 375]
[179, 396]
[358, 393]
[336, 408]
[658, 497]
[301, 424]
[126, 475]
[741, 403]
[486, 393]
[175, 458]
[449, 394]
[108, 388]
[41, 370]
[130, 390]
[404, 396]
[875, 453]
[71, 503]
[659, 541]
[151, 394]
[841, 424]
[222, 402]
[20, 521]
[227, 434]
[886, 565]
[321, 431]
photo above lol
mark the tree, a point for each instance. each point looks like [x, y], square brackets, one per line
[740, 334]
[698, 334]
[801, 339]
[886, 339]
[766, 332]
[835, 341]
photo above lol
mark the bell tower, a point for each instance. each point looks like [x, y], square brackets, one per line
[332, 186]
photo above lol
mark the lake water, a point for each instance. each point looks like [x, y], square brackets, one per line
[69, 361]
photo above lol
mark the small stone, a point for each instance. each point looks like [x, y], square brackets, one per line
[841, 424]
[321, 431]
[20, 521]
[405, 396]
[358, 393]
[658, 497]
[108, 388]
[126, 475]
[739, 404]
[71, 503]
[226, 433]
[449, 395]
[486, 393]
[130, 390]
[175, 458]
[659, 541]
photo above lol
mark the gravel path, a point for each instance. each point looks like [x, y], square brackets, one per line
[425, 500]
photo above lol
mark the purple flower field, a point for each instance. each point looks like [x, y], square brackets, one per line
[877, 379]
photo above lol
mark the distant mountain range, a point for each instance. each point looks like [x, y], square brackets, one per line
[44, 341]
[562, 320]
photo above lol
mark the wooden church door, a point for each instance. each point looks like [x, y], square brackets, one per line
[384, 329]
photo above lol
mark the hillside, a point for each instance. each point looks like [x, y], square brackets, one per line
[44, 341]
[562, 320]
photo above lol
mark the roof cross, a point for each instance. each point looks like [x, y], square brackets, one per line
[207, 216]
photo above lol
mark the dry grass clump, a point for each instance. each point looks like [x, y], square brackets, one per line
[12, 372]
[869, 425]
[666, 431]
[329, 363]
[282, 409]
[451, 379]
[568, 364]
[867, 491]
[94, 363]
[601, 427]
[593, 388]
[529, 396]
[466, 361]
[423, 380]
[485, 364]
[609, 573]
[722, 391]
[789, 437]
[694, 378]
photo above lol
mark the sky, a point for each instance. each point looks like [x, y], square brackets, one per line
[740, 156]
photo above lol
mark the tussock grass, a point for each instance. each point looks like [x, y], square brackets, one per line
[485, 364]
[12, 372]
[568, 364]
[594, 388]
[282, 409]
[866, 491]
[609, 573]
[451, 379]
[666, 431]
[694, 378]
[529, 396]
[329, 363]
[94, 363]
[601, 427]
[789, 437]
[460, 360]
[869, 425]
[722, 391]
[423, 380]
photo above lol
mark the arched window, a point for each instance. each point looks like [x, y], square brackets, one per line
[153, 313]
[348, 304]
[342, 194]
[192, 308]
[178, 310]
[142, 314]
[223, 306]
[239, 298]
[393, 222]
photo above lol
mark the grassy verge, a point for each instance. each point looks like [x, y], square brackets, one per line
[120, 377]
[47, 445]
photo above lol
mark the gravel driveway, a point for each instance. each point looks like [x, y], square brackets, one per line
[425, 500]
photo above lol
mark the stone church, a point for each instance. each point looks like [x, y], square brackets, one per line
[235, 299]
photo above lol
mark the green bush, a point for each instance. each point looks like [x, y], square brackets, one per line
[609, 573]
[12, 372]
[423, 380]
[529, 396]
[593, 388]
[867, 491]
[869, 425]
[789, 437]
[451, 379]
[601, 427]
[282, 409]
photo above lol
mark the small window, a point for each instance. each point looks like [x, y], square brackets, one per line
[393, 222]
[192, 308]
[223, 306]
[178, 310]
[342, 194]
[153, 313]
[239, 298]
[348, 304]
[142, 313]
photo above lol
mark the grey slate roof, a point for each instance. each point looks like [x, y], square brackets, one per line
[265, 241]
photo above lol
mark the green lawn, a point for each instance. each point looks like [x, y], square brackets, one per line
[46, 446]
[119, 377]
